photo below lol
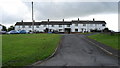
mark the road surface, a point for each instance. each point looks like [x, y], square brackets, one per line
[76, 51]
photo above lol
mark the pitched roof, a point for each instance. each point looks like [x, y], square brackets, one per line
[88, 22]
[1, 25]
[57, 22]
[44, 22]
[61, 22]
[27, 23]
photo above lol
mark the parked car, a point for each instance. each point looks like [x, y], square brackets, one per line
[22, 32]
[13, 32]
[3, 32]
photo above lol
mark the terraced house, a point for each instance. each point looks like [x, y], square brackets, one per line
[62, 26]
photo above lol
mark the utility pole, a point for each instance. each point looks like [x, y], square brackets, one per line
[32, 19]
[63, 26]
[48, 25]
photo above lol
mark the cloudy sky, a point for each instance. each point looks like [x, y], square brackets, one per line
[12, 11]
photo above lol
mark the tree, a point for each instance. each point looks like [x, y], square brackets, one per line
[11, 28]
[46, 30]
[106, 30]
[4, 28]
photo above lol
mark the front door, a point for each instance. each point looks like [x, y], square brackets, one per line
[67, 30]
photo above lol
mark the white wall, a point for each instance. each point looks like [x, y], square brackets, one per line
[56, 27]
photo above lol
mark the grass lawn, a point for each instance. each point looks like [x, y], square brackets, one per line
[0, 50]
[25, 49]
[110, 40]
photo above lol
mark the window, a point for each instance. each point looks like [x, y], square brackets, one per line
[76, 24]
[103, 24]
[60, 25]
[52, 25]
[23, 26]
[95, 24]
[60, 30]
[76, 30]
[37, 26]
[84, 24]
[30, 26]
[91, 24]
[44, 25]
[68, 25]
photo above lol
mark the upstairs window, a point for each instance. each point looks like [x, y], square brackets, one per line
[68, 25]
[52, 25]
[44, 25]
[23, 26]
[76, 24]
[60, 25]
[30, 26]
[37, 26]
[91, 24]
[84, 24]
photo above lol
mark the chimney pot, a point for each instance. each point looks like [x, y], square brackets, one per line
[21, 20]
[78, 19]
[93, 19]
[33, 20]
[48, 20]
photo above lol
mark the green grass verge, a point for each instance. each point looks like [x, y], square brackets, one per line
[110, 40]
[0, 50]
[25, 49]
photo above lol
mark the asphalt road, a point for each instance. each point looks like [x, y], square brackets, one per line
[76, 51]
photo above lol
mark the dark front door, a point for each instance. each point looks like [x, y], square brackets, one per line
[67, 30]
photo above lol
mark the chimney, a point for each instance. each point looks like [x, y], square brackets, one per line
[33, 20]
[93, 19]
[78, 19]
[63, 20]
[21, 20]
[48, 20]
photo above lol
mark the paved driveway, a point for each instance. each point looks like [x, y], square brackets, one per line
[75, 51]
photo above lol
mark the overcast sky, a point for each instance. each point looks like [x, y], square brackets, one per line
[12, 11]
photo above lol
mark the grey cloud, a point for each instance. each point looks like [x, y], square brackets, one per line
[10, 19]
[60, 10]
[53, 10]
